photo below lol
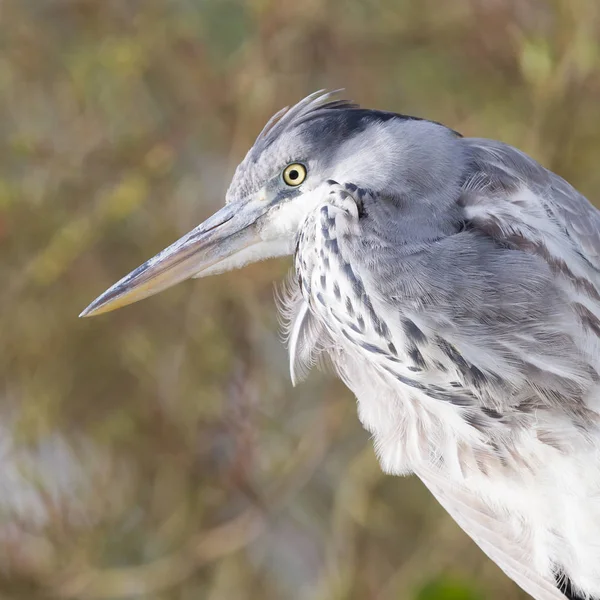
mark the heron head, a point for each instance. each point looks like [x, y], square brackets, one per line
[277, 184]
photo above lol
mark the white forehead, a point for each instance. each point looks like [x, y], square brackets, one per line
[257, 167]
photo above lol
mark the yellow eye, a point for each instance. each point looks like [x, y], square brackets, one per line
[294, 174]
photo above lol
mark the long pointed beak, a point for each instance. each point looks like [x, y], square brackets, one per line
[229, 231]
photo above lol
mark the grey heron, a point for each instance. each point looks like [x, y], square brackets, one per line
[455, 285]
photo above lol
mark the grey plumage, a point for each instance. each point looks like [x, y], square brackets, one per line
[454, 284]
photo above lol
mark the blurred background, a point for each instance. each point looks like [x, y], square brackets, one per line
[160, 452]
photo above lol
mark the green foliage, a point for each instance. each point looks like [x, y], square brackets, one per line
[447, 589]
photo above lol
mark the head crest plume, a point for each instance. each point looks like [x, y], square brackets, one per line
[312, 106]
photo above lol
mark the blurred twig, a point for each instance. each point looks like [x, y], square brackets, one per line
[87, 582]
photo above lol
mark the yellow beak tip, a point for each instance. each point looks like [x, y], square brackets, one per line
[90, 311]
[102, 305]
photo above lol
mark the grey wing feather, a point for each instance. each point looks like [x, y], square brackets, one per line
[581, 219]
[514, 200]
[489, 533]
[500, 170]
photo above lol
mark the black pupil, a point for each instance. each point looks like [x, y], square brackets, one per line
[293, 174]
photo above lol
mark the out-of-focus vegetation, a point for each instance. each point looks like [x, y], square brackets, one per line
[160, 452]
